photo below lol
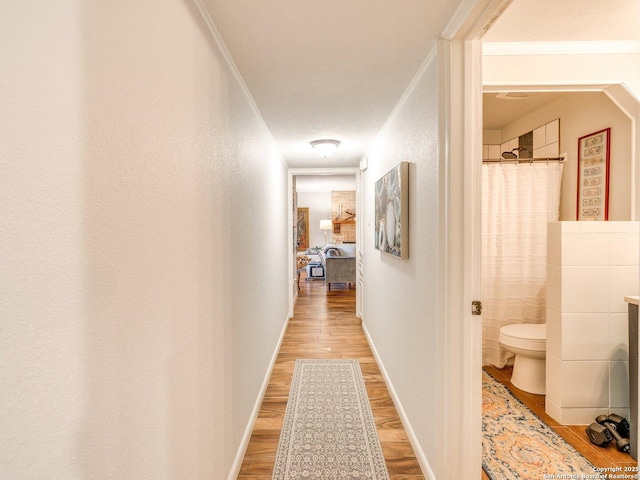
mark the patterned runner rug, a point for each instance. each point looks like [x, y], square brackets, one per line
[328, 430]
[516, 444]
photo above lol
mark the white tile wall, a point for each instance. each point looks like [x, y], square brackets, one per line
[585, 336]
[553, 382]
[546, 142]
[569, 227]
[591, 267]
[554, 334]
[552, 408]
[554, 287]
[576, 416]
[585, 384]
[619, 336]
[585, 289]
[491, 152]
[619, 384]
[584, 250]
[623, 281]
[539, 139]
[624, 251]
[552, 132]
[551, 150]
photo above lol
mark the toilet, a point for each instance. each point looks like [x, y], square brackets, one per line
[528, 342]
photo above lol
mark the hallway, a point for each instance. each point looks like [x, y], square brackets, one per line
[324, 325]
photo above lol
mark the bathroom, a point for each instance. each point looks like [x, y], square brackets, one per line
[588, 267]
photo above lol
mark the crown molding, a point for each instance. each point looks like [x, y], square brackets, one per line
[559, 48]
[236, 74]
[428, 62]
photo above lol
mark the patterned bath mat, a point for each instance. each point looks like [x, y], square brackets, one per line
[328, 430]
[516, 444]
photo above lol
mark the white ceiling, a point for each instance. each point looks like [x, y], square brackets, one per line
[328, 68]
[499, 112]
[337, 68]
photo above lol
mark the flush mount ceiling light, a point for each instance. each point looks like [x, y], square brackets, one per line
[325, 147]
[515, 95]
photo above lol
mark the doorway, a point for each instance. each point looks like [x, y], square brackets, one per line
[573, 109]
[464, 71]
[313, 187]
[499, 77]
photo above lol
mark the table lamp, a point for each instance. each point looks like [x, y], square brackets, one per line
[325, 225]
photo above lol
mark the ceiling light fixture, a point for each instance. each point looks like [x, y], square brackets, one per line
[515, 95]
[325, 147]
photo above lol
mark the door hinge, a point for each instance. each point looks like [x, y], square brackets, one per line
[476, 307]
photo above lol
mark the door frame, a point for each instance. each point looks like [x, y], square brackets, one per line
[459, 426]
[460, 333]
[460, 214]
[293, 172]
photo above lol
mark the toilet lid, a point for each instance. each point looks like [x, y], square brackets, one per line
[529, 331]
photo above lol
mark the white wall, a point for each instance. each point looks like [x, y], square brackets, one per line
[400, 296]
[139, 194]
[319, 204]
[592, 69]
[581, 113]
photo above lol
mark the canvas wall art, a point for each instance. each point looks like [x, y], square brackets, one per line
[391, 207]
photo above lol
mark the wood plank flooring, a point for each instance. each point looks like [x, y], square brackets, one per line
[324, 325]
[608, 457]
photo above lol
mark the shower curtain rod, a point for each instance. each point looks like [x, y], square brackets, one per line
[525, 160]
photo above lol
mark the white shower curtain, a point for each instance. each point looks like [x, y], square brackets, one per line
[517, 203]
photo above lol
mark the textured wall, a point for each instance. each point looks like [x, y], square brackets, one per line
[138, 196]
[319, 204]
[400, 296]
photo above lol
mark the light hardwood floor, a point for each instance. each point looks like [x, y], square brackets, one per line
[324, 325]
[608, 457]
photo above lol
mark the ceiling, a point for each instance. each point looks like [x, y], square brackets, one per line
[502, 109]
[337, 68]
[567, 21]
[328, 68]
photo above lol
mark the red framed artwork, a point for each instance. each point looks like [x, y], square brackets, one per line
[593, 176]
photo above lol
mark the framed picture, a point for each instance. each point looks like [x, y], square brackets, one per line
[593, 176]
[302, 228]
[392, 212]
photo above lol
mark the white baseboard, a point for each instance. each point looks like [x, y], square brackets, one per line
[242, 449]
[417, 448]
